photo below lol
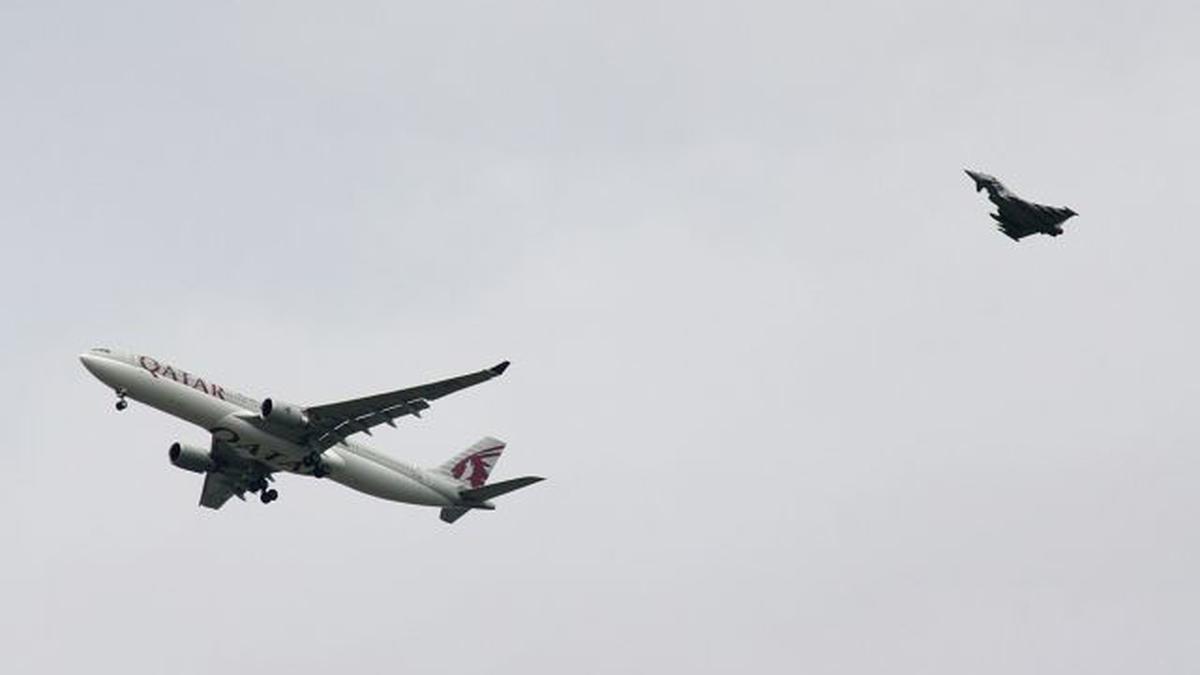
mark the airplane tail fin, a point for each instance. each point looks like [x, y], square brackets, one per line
[473, 465]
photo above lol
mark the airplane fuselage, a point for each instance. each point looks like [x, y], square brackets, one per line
[231, 419]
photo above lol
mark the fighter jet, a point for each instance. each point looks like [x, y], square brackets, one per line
[1016, 217]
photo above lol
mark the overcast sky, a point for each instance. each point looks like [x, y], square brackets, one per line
[801, 408]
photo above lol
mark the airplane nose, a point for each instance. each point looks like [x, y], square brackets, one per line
[101, 368]
[91, 362]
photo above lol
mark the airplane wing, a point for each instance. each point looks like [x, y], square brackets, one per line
[330, 424]
[217, 490]
[233, 477]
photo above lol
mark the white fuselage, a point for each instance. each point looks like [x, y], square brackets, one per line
[230, 417]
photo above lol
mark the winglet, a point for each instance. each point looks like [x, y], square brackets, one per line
[499, 368]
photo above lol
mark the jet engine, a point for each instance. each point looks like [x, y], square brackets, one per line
[285, 414]
[191, 458]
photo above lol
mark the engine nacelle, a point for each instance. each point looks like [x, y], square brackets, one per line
[191, 458]
[284, 414]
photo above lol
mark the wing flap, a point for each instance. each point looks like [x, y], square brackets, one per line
[331, 423]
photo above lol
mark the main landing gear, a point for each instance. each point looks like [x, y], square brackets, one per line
[318, 467]
[121, 402]
[265, 494]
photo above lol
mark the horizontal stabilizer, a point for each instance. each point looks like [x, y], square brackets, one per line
[453, 513]
[491, 490]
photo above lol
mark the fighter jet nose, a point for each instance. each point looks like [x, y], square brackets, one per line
[977, 177]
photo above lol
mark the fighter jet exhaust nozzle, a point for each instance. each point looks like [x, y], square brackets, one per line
[191, 458]
[284, 414]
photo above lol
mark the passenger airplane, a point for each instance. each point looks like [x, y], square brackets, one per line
[251, 441]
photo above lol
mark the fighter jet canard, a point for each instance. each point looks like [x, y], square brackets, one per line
[1016, 217]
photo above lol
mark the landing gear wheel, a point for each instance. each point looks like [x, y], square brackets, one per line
[268, 496]
[319, 471]
[122, 404]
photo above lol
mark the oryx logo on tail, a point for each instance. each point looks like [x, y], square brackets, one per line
[474, 469]
[473, 465]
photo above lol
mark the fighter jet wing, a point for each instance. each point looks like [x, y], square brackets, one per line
[1015, 222]
[1049, 216]
[331, 423]
[1019, 218]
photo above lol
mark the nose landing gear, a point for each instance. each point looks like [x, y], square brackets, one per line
[121, 402]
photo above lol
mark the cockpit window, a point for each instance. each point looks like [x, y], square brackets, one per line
[101, 350]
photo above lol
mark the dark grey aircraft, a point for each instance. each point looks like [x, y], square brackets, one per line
[1016, 217]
